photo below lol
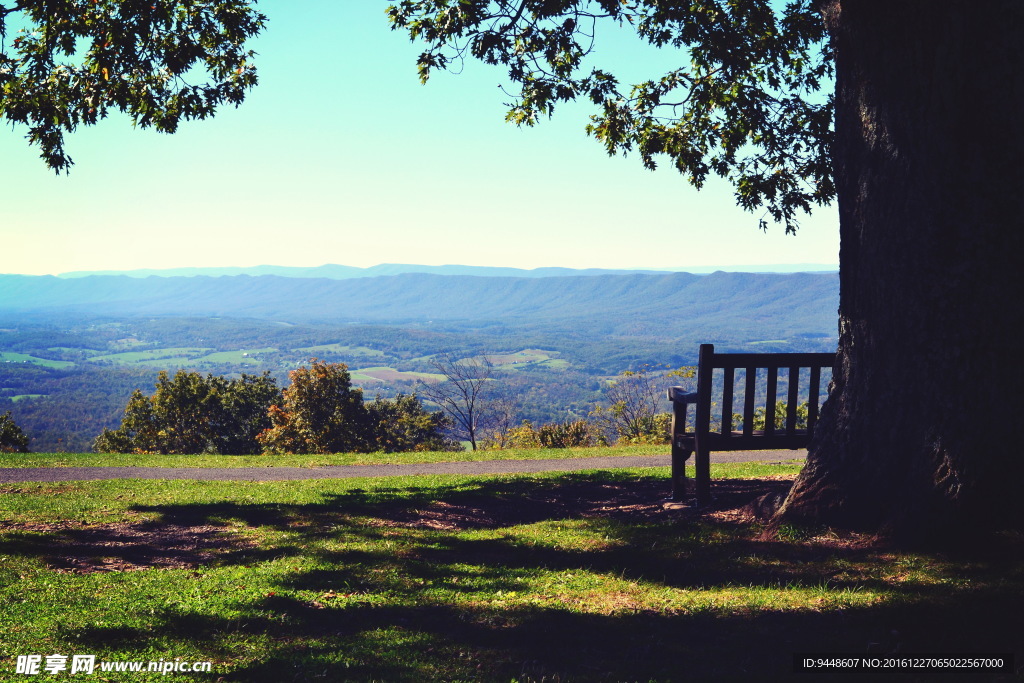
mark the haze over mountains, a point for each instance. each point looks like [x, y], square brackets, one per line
[784, 303]
[340, 272]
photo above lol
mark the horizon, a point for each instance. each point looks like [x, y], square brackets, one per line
[693, 269]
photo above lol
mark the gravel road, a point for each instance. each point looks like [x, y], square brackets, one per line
[16, 474]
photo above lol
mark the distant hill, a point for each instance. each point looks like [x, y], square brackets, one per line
[338, 272]
[790, 304]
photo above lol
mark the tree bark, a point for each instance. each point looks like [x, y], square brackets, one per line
[917, 439]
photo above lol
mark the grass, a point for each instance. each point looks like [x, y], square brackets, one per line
[128, 460]
[580, 577]
[12, 357]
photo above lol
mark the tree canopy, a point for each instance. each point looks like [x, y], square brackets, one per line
[321, 413]
[190, 413]
[66, 63]
[752, 105]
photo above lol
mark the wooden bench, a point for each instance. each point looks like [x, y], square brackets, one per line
[703, 440]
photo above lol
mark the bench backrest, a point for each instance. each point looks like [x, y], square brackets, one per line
[795, 363]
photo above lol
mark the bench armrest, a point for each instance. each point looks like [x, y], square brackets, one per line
[678, 395]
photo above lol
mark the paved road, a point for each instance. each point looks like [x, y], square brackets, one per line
[13, 474]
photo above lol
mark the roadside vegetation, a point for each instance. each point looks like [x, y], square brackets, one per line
[550, 577]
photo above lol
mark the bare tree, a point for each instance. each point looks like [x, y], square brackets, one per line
[499, 416]
[634, 399]
[463, 394]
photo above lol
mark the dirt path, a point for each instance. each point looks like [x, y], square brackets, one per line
[12, 474]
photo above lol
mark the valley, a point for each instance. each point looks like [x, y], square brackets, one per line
[70, 359]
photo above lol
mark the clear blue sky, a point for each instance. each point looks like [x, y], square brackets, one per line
[341, 156]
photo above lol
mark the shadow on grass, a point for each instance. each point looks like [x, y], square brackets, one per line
[442, 642]
[405, 594]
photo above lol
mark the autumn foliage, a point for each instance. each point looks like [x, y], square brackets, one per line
[320, 412]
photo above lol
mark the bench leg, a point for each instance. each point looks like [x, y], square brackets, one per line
[679, 458]
[702, 476]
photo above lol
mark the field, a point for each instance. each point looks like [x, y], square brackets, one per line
[173, 357]
[342, 349]
[554, 577]
[11, 357]
[154, 357]
[386, 374]
[239, 357]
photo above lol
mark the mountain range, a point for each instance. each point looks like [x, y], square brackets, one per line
[781, 303]
[339, 272]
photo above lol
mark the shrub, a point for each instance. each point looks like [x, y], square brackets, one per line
[403, 424]
[575, 434]
[12, 439]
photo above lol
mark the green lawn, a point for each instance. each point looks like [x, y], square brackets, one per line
[553, 577]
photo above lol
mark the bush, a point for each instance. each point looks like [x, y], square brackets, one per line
[573, 434]
[781, 407]
[12, 439]
[403, 424]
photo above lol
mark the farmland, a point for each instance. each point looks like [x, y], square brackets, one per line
[9, 357]
[386, 374]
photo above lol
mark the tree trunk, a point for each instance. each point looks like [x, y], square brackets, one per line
[917, 437]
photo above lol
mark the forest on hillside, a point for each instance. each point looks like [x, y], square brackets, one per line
[66, 380]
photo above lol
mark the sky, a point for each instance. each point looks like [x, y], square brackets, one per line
[341, 156]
